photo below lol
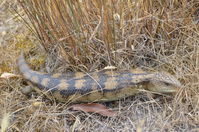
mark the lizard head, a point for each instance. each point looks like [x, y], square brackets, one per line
[164, 83]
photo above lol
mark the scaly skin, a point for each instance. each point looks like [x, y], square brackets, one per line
[98, 86]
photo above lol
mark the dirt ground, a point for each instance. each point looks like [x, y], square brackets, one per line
[141, 113]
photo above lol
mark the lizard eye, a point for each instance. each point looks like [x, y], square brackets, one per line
[167, 84]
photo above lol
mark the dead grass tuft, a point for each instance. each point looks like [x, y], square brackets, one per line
[88, 35]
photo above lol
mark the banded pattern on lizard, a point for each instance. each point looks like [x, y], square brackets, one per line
[98, 86]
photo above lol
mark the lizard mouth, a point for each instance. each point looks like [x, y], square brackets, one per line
[163, 89]
[170, 91]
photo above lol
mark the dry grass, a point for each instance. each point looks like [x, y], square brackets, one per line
[88, 35]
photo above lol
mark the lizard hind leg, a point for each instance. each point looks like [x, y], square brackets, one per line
[27, 89]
